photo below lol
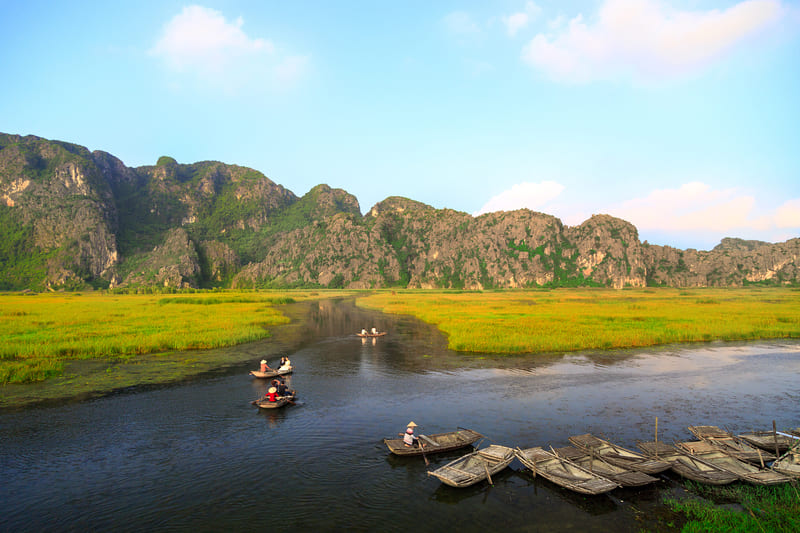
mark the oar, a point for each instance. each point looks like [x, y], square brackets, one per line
[488, 475]
[422, 448]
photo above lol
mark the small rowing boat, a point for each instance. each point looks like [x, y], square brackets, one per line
[271, 373]
[280, 401]
[617, 455]
[687, 466]
[474, 467]
[596, 464]
[768, 440]
[745, 471]
[435, 443]
[730, 445]
[789, 463]
[563, 472]
[378, 334]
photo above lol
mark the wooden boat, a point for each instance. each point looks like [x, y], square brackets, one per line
[474, 467]
[617, 455]
[766, 440]
[789, 463]
[619, 475]
[379, 334]
[436, 443]
[563, 472]
[745, 471]
[271, 373]
[730, 445]
[263, 403]
[687, 466]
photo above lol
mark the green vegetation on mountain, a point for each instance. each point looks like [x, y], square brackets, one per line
[75, 219]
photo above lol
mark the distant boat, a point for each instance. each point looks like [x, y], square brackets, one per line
[279, 402]
[436, 443]
[686, 465]
[474, 467]
[271, 373]
[378, 334]
[564, 472]
[617, 455]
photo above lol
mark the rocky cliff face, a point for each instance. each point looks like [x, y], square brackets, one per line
[72, 218]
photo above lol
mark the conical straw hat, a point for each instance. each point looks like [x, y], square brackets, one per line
[412, 424]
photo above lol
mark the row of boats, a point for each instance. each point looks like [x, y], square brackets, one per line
[592, 465]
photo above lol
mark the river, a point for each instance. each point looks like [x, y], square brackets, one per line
[197, 456]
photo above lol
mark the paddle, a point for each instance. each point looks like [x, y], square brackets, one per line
[488, 475]
[422, 448]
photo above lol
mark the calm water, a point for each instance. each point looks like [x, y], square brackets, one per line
[199, 457]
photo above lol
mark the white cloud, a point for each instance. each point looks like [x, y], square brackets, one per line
[522, 195]
[697, 207]
[460, 23]
[520, 20]
[646, 39]
[788, 214]
[201, 41]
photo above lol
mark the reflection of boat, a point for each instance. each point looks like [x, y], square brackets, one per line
[730, 445]
[279, 402]
[436, 443]
[745, 471]
[474, 467]
[617, 455]
[563, 472]
[271, 373]
[622, 476]
[768, 440]
[687, 466]
[379, 334]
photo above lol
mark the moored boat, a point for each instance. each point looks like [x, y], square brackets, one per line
[435, 443]
[789, 463]
[745, 471]
[596, 464]
[474, 467]
[687, 466]
[563, 472]
[617, 455]
[730, 445]
[768, 440]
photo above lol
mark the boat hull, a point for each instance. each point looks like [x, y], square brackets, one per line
[474, 467]
[436, 443]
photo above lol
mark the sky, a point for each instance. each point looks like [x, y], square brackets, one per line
[679, 116]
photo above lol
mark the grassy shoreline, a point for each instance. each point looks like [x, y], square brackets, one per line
[563, 320]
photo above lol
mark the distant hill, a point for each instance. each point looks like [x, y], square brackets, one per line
[75, 219]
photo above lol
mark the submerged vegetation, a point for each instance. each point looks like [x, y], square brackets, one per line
[580, 319]
[41, 332]
[747, 508]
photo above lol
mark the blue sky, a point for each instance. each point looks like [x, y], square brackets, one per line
[679, 116]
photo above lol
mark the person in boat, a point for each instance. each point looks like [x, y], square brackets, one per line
[264, 366]
[409, 439]
[374, 331]
[283, 390]
[272, 394]
[363, 331]
[285, 364]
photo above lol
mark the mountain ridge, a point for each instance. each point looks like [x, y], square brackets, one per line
[72, 218]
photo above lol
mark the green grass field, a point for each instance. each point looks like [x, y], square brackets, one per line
[560, 320]
[42, 331]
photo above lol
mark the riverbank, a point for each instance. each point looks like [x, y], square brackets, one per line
[84, 378]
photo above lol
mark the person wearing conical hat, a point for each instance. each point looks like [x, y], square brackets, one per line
[409, 439]
[272, 394]
[264, 365]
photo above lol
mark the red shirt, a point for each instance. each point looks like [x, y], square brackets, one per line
[271, 396]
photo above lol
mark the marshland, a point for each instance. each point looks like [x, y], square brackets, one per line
[174, 441]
